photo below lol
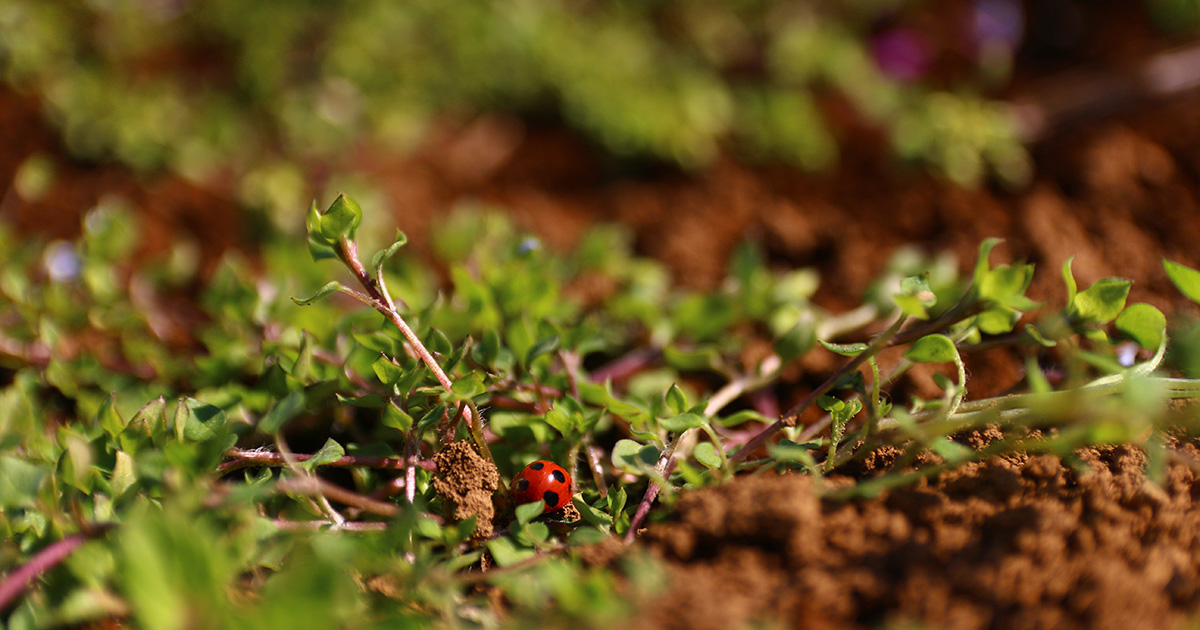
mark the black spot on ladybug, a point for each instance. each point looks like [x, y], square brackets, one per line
[522, 485]
[550, 497]
[537, 465]
[559, 476]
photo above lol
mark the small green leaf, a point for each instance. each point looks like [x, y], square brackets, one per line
[997, 320]
[1186, 279]
[706, 454]
[1069, 280]
[506, 552]
[529, 511]
[197, 421]
[1036, 333]
[981, 262]
[633, 457]
[543, 346]
[489, 347]
[952, 451]
[466, 388]
[676, 400]
[109, 418]
[123, 475]
[341, 220]
[682, 422]
[318, 246]
[798, 340]
[383, 255]
[19, 482]
[324, 291]
[932, 349]
[1144, 324]
[386, 371]
[396, 418]
[561, 420]
[289, 407]
[844, 349]
[330, 452]
[616, 502]
[438, 343]
[586, 536]
[1103, 301]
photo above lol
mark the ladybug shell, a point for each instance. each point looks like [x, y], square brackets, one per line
[543, 480]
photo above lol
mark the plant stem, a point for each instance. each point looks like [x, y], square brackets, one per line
[348, 253]
[789, 418]
[20, 578]
[243, 458]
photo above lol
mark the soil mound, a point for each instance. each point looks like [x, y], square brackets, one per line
[1017, 542]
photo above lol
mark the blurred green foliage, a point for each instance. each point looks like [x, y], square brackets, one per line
[236, 87]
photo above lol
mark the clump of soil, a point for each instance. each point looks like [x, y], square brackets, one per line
[1016, 542]
[467, 482]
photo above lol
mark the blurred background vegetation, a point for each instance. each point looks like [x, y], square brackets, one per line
[259, 89]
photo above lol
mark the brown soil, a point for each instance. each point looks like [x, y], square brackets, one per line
[467, 482]
[1019, 542]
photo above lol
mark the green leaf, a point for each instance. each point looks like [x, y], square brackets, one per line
[1144, 324]
[706, 454]
[19, 482]
[489, 347]
[123, 474]
[1186, 279]
[981, 262]
[506, 552]
[997, 320]
[1069, 280]
[284, 410]
[383, 255]
[431, 417]
[341, 220]
[1036, 334]
[366, 401]
[634, 457]
[543, 346]
[330, 452]
[198, 421]
[676, 400]
[318, 247]
[151, 418]
[586, 536]
[616, 503]
[682, 422]
[561, 420]
[798, 340]
[396, 418]
[844, 349]
[915, 296]
[321, 293]
[1102, 301]
[932, 349]
[529, 511]
[465, 388]
[109, 418]
[386, 371]
[437, 343]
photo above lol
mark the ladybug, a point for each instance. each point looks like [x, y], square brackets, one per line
[543, 480]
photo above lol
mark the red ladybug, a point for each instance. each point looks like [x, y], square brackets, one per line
[543, 480]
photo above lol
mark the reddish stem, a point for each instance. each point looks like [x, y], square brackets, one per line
[20, 578]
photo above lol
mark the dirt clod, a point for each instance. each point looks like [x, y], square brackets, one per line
[467, 482]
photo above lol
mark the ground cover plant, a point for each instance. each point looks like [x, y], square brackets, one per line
[318, 464]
